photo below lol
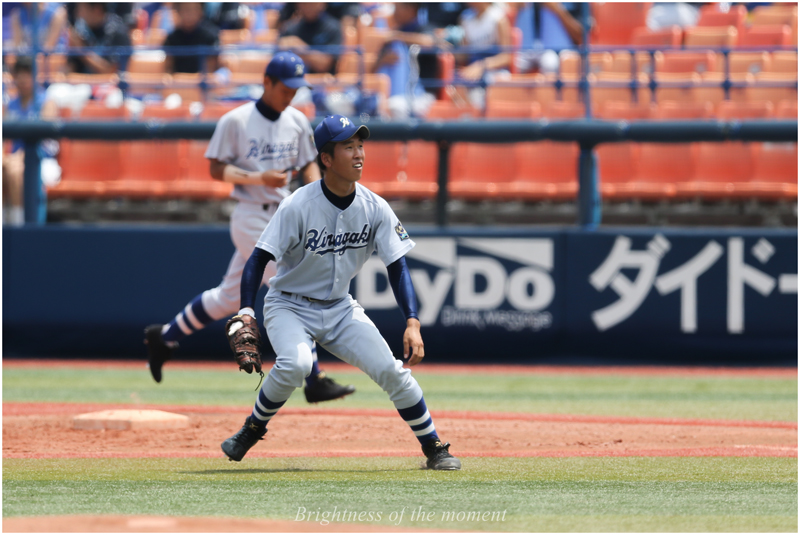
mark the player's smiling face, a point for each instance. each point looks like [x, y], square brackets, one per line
[348, 159]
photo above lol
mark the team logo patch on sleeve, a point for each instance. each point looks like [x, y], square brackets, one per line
[401, 232]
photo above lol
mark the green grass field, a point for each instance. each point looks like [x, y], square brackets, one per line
[571, 494]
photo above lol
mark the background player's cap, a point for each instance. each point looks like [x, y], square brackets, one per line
[289, 69]
[337, 128]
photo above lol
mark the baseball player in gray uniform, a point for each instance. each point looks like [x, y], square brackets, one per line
[256, 147]
[320, 238]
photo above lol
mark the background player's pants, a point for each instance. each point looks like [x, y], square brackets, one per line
[343, 328]
[248, 221]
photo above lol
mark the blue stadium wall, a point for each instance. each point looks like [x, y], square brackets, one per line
[617, 295]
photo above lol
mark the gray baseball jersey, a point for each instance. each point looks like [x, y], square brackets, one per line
[248, 140]
[320, 248]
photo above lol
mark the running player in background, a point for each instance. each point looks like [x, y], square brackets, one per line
[256, 147]
[320, 239]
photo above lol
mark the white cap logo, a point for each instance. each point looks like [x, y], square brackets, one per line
[345, 121]
[298, 70]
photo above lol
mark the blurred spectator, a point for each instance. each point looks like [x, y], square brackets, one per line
[95, 26]
[485, 25]
[51, 25]
[346, 13]
[405, 70]
[192, 30]
[442, 14]
[665, 14]
[226, 15]
[314, 27]
[547, 27]
[27, 106]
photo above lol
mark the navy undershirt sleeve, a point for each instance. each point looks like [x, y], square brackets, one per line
[251, 277]
[403, 288]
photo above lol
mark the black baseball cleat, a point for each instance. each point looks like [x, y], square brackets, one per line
[439, 457]
[239, 444]
[158, 352]
[326, 389]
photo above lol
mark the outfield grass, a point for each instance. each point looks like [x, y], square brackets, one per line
[536, 494]
[623, 395]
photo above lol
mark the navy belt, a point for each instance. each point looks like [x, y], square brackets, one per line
[309, 299]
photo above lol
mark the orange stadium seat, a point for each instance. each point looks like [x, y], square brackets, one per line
[775, 172]
[729, 109]
[195, 181]
[720, 168]
[787, 109]
[86, 166]
[660, 166]
[676, 86]
[570, 62]
[723, 36]
[711, 90]
[234, 37]
[146, 63]
[616, 86]
[746, 62]
[266, 37]
[250, 62]
[381, 164]
[783, 61]
[502, 109]
[351, 62]
[710, 15]
[617, 161]
[623, 62]
[444, 109]
[545, 170]
[615, 110]
[685, 62]
[776, 14]
[418, 176]
[616, 22]
[787, 90]
[673, 109]
[667, 37]
[767, 35]
[481, 170]
[558, 109]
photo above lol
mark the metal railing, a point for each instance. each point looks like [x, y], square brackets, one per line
[587, 133]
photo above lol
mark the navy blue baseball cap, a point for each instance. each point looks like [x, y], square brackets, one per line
[289, 69]
[337, 128]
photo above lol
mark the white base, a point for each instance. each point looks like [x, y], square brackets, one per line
[129, 419]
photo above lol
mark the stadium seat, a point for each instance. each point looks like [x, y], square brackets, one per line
[144, 83]
[776, 14]
[785, 87]
[559, 109]
[234, 37]
[660, 166]
[746, 62]
[418, 176]
[676, 86]
[147, 62]
[775, 172]
[447, 110]
[685, 62]
[736, 15]
[616, 22]
[765, 36]
[51, 64]
[519, 88]
[250, 61]
[710, 88]
[570, 62]
[195, 181]
[787, 109]
[623, 62]
[723, 36]
[667, 37]
[728, 110]
[616, 110]
[447, 69]
[351, 62]
[187, 85]
[381, 164]
[501, 109]
[615, 86]
[784, 61]
[720, 168]
[545, 170]
[86, 166]
[672, 109]
[481, 171]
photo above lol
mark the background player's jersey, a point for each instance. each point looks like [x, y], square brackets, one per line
[320, 248]
[245, 138]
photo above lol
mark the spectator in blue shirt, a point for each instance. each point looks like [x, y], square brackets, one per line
[314, 27]
[27, 106]
[51, 25]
